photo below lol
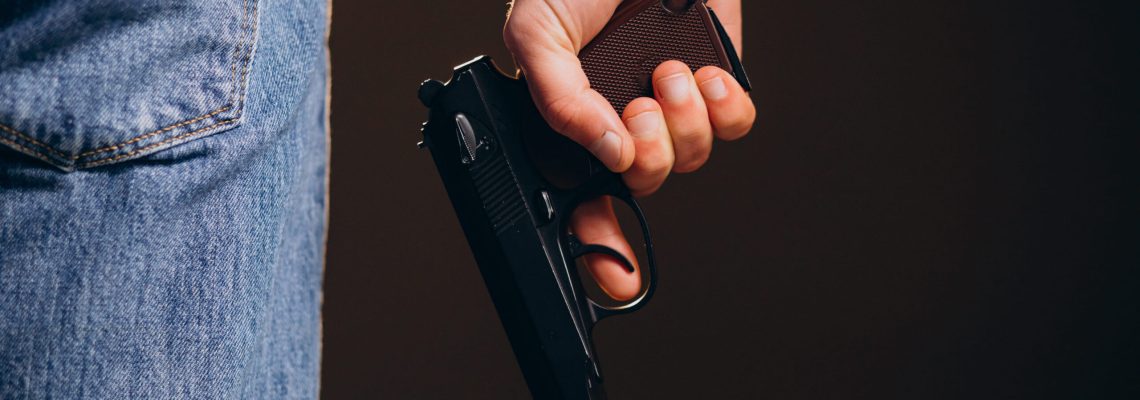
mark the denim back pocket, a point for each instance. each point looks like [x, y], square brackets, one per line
[89, 83]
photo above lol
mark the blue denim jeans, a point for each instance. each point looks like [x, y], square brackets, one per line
[163, 183]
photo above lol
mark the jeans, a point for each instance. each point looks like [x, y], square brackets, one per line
[163, 198]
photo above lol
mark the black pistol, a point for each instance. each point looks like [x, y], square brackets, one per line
[514, 182]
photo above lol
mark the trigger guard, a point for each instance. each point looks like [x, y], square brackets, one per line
[578, 249]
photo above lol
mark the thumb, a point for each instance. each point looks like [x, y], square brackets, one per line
[563, 95]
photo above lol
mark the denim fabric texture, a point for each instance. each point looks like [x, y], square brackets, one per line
[91, 83]
[163, 183]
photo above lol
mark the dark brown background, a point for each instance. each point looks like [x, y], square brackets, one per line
[937, 202]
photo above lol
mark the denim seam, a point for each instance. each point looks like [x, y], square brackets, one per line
[22, 136]
[148, 135]
[159, 144]
[235, 105]
[239, 95]
[25, 149]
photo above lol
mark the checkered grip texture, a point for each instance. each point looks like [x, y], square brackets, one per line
[620, 65]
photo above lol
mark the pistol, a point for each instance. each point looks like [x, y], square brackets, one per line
[514, 182]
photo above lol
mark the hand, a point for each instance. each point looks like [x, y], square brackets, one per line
[673, 132]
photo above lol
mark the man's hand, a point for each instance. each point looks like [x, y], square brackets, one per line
[672, 132]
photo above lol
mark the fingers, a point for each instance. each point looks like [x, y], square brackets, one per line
[731, 111]
[654, 147]
[562, 92]
[685, 115]
[676, 132]
[594, 222]
[563, 96]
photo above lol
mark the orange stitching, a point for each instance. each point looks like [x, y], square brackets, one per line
[237, 49]
[94, 163]
[34, 141]
[148, 135]
[233, 73]
[26, 150]
[246, 61]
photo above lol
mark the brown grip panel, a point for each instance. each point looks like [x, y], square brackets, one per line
[644, 33]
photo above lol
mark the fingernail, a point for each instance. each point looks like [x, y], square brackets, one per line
[644, 124]
[675, 88]
[608, 149]
[714, 89]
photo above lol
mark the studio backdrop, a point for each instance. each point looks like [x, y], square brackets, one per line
[937, 202]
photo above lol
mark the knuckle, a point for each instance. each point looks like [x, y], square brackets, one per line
[735, 129]
[733, 134]
[738, 124]
[644, 191]
[692, 163]
[561, 112]
[692, 152]
[693, 137]
[644, 185]
[654, 163]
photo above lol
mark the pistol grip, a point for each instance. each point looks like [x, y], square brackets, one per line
[644, 33]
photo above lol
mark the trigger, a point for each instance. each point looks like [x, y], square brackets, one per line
[577, 249]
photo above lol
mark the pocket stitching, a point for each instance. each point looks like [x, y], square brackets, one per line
[109, 160]
[148, 135]
[48, 147]
[247, 31]
[26, 150]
